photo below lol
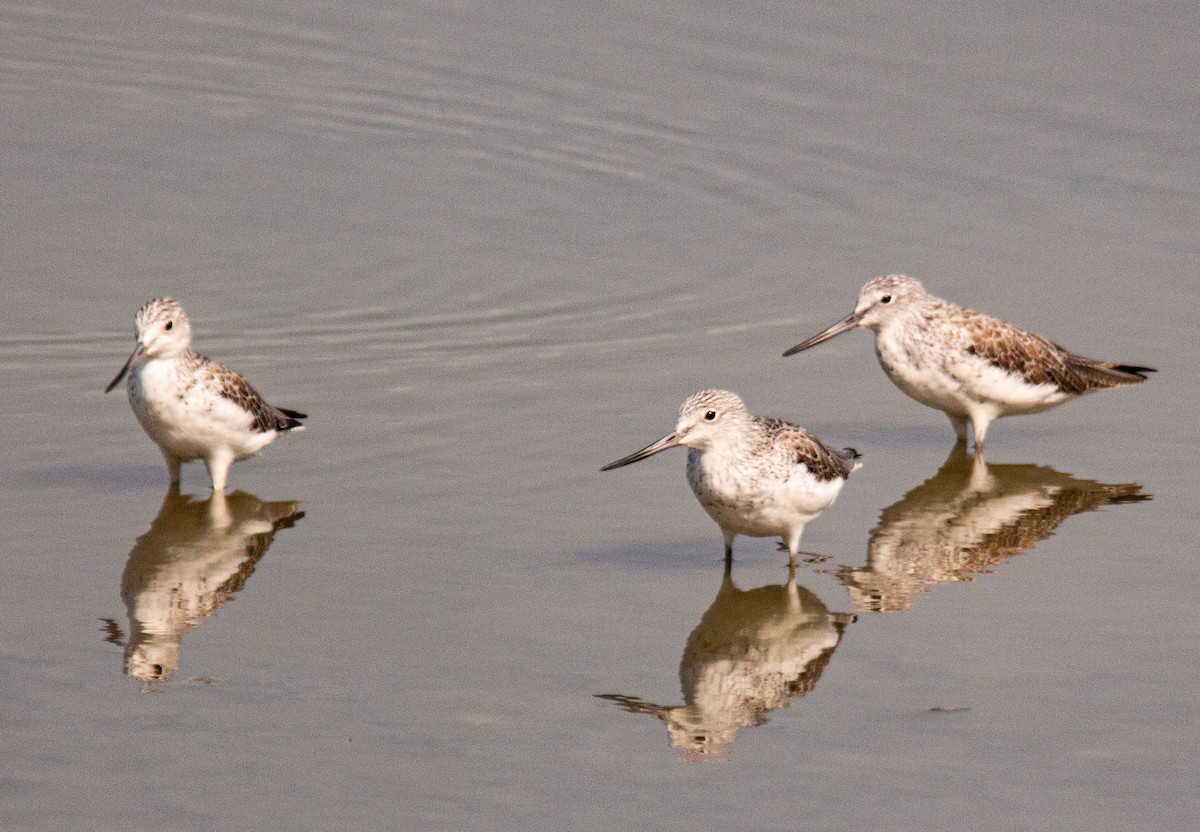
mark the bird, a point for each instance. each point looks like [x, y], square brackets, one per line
[971, 366]
[754, 475]
[192, 407]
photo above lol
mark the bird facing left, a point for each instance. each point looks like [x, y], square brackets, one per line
[192, 407]
[754, 475]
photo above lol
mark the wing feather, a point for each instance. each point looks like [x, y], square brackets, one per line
[1039, 360]
[824, 462]
[234, 387]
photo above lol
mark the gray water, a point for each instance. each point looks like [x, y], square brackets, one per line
[490, 249]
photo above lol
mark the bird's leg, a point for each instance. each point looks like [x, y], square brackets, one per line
[980, 422]
[960, 426]
[173, 466]
[793, 545]
[218, 463]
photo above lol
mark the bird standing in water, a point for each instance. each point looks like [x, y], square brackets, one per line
[754, 475]
[194, 408]
[971, 366]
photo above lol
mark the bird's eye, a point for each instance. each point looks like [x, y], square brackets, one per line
[710, 415]
[169, 325]
[886, 299]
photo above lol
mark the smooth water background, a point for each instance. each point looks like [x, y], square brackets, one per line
[491, 247]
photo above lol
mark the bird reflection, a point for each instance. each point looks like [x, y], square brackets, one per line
[965, 520]
[196, 555]
[752, 652]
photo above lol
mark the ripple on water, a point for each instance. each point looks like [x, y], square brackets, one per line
[279, 70]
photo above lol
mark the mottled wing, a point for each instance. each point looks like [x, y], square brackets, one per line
[1039, 360]
[233, 386]
[824, 462]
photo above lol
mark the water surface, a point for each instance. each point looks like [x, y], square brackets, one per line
[490, 249]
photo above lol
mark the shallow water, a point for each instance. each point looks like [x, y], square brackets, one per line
[490, 250]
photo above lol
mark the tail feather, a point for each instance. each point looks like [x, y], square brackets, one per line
[289, 419]
[1132, 369]
[851, 457]
[1095, 375]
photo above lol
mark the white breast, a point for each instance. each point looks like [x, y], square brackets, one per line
[941, 374]
[756, 502]
[184, 415]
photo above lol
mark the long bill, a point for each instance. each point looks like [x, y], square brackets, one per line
[844, 325]
[129, 363]
[669, 441]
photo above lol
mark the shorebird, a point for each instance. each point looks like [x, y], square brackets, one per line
[971, 366]
[194, 408]
[754, 475]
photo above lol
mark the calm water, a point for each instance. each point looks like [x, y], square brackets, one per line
[491, 249]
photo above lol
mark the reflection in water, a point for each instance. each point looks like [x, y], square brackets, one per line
[964, 520]
[196, 555]
[752, 652]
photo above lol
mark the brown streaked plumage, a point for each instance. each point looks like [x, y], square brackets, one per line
[754, 476]
[823, 462]
[973, 367]
[192, 407]
[267, 417]
[1039, 360]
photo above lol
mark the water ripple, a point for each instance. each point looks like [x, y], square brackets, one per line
[276, 68]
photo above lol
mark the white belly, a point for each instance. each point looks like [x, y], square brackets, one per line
[956, 382]
[186, 417]
[751, 504]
